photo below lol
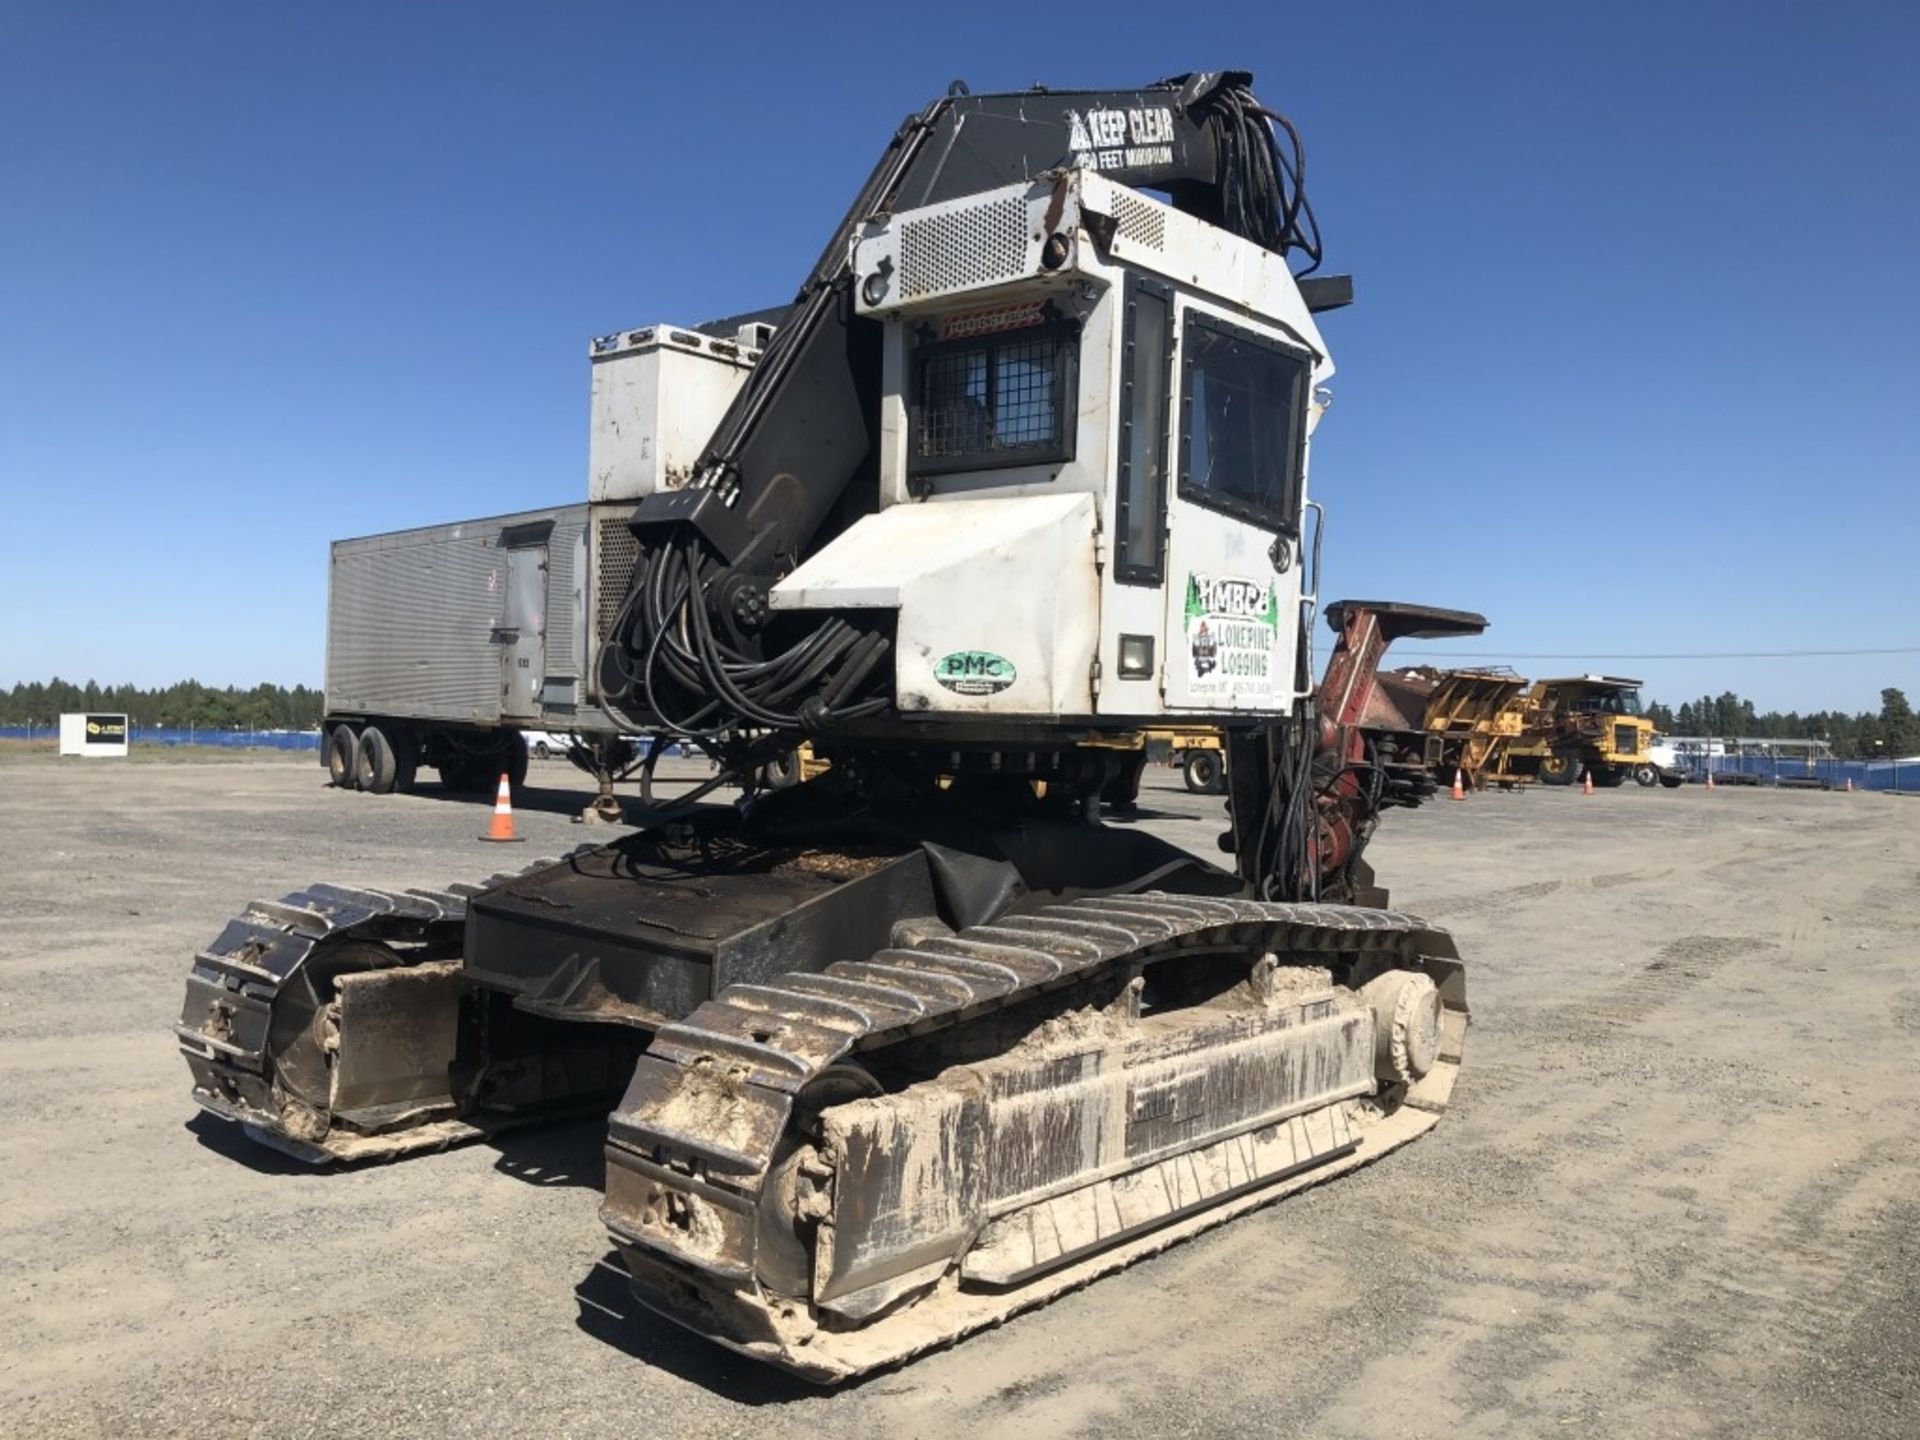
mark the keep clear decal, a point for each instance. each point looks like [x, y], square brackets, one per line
[1117, 139]
[975, 672]
[1231, 626]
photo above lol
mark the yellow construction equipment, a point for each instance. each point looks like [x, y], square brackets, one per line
[1577, 725]
[1472, 716]
[1199, 752]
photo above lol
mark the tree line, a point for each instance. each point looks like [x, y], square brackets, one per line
[1893, 730]
[1868, 735]
[185, 704]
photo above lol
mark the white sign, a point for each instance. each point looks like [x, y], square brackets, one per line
[93, 735]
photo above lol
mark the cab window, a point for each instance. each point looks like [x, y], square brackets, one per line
[1243, 410]
[1004, 399]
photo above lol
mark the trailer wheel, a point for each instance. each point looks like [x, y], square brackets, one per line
[374, 766]
[1647, 775]
[343, 757]
[782, 772]
[406, 759]
[1202, 771]
[513, 757]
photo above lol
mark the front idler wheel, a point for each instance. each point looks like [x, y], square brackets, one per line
[303, 1037]
[796, 1197]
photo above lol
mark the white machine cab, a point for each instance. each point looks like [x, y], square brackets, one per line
[1056, 354]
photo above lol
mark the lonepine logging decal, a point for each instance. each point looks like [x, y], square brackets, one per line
[1231, 624]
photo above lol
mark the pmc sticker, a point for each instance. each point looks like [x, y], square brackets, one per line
[975, 672]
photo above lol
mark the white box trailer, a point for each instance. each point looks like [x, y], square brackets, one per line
[445, 643]
[93, 736]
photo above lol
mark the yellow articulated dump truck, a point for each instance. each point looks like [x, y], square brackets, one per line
[1580, 725]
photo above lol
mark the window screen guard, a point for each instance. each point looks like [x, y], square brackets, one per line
[1243, 405]
[995, 400]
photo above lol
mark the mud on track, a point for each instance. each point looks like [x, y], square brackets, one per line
[1674, 1195]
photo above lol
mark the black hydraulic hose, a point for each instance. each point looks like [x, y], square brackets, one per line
[859, 666]
[716, 677]
[829, 656]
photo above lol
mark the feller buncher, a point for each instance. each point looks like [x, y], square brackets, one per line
[903, 1050]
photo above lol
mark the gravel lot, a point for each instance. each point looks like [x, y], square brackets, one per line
[1675, 1195]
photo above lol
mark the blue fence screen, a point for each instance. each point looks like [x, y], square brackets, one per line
[1901, 775]
[154, 735]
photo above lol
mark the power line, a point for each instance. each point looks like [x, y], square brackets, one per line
[1406, 645]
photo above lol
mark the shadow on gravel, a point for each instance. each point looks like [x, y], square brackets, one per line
[569, 1154]
[1139, 814]
[542, 799]
[610, 1314]
[230, 1142]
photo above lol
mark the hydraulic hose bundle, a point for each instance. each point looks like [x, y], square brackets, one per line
[704, 681]
[1262, 186]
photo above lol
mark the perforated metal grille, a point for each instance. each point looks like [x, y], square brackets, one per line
[964, 248]
[1140, 222]
[616, 552]
[992, 399]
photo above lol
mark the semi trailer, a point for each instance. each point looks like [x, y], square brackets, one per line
[446, 643]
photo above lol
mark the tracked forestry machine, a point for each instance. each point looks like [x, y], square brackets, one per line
[897, 1052]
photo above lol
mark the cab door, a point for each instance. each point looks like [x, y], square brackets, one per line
[1233, 574]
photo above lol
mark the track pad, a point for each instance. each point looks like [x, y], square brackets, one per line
[397, 1033]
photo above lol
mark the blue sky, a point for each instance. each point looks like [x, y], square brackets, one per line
[1631, 369]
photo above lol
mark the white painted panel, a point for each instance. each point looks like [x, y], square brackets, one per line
[1007, 579]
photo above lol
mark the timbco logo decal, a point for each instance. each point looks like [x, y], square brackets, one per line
[975, 672]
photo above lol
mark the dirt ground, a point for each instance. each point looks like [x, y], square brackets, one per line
[1675, 1196]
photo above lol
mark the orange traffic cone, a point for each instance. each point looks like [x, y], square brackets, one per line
[1709, 779]
[502, 827]
[1459, 785]
[1586, 785]
[1849, 785]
